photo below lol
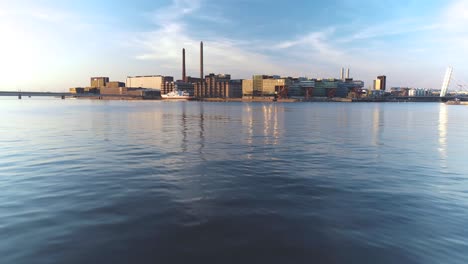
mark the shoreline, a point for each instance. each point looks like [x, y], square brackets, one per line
[270, 100]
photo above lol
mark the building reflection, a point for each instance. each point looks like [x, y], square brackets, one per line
[443, 123]
[270, 124]
[378, 122]
[262, 122]
[184, 128]
[201, 133]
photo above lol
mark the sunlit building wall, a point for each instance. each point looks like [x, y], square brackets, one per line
[247, 87]
[149, 82]
[97, 82]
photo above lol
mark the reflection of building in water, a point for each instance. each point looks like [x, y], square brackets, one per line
[443, 122]
[270, 125]
[377, 125]
[262, 124]
[202, 131]
[184, 128]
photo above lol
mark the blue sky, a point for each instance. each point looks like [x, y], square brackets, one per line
[51, 45]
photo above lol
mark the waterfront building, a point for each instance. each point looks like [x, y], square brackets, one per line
[266, 85]
[126, 92]
[380, 84]
[98, 82]
[218, 86]
[235, 89]
[417, 92]
[399, 91]
[77, 90]
[149, 82]
[350, 88]
[326, 87]
[272, 86]
[302, 88]
[247, 88]
[115, 84]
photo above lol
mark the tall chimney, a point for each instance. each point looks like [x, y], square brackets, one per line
[347, 73]
[201, 61]
[184, 75]
[342, 74]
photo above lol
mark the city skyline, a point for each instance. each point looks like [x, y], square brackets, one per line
[53, 45]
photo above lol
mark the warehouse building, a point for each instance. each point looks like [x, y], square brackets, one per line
[148, 82]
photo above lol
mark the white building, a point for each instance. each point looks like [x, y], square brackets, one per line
[149, 82]
[417, 92]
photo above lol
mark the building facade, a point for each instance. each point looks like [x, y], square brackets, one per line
[247, 88]
[266, 85]
[98, 82]
[380, 84]
[115, 84]
[218, 86]
[148, 82]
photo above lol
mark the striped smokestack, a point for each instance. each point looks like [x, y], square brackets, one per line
[184, 75]
[201, 61]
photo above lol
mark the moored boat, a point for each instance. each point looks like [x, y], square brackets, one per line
[176, 94]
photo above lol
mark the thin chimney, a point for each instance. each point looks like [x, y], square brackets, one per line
[184, 75]
[342, 74]
[201, 61]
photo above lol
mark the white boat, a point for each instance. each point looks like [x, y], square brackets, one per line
[176, 94]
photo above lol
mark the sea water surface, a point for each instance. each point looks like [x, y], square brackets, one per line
[85, 181]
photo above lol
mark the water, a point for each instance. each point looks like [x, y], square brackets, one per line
[186, 182]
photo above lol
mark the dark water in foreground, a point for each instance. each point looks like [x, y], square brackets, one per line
[161, 182]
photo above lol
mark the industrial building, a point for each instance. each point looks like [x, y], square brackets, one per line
[115, 84]
[287, 87]
[302, 88]
[77, 90]
[126, 92]
[148, 82]
[218, 86]
[266, 85]
[380, 84]
[209, 86]
[247, 88]
[98, 82]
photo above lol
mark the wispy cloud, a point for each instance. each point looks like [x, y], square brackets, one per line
[314, 43]
[222, 54]
[391, 28]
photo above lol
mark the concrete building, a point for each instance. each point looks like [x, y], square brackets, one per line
[114, 90]
[115, 84]
[266, 85]
[98, 82]
[77, 90]
[126, 92]
[235, 89]
[418, 92]
[247, 88]
[380, 84]
[272, 86]
[148, 82]
[258, 84]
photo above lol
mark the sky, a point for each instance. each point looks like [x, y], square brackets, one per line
[51, 45]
